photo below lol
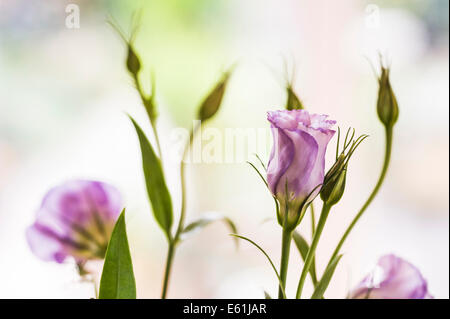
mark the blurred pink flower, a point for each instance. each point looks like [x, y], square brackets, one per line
[75, 219]
[392, 278]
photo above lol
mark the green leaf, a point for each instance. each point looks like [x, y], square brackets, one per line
[156, 185]
[212, 102]
[303, 247]
[327, 275]
[117, 280]
[268, 258]
[205, 221]
[266, 295]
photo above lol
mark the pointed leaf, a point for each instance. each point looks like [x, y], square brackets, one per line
[327, 275]
[117, 280]
[266, 295]
[157, 191]
[303, 247]
[301, 244]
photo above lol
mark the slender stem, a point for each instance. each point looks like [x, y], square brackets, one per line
[183, 181]
[313, 219]
[174, 241]
[95, 287]
[150, 117]
[169, 261]
[312, 249]
[387, 157]
[87, 276]
[158, 144]
[313, 273]
[313, 230]
[285, 249]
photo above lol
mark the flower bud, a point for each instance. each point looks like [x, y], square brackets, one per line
[293, 101]
[296, 166]
[133, 62]
[387, 106]
[334, 187]
[334, 180]
[212, 102]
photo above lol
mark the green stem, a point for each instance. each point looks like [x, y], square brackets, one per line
[313, 219]
[174, 241]
[312, 249]
[158, 144]
[95, 287]
[285, 249]
[150, 117]
[169, 262]
[387, 157]
[313, 230]
[183, 181]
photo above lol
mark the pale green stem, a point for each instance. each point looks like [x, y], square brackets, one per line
[95, 287]
[313, 219]
[158, 145]
[152, 120]
[174, 241]
[387, 157]
[183, 181]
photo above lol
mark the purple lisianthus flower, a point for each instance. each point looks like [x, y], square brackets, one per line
[297, 161]
[75, 219]
[392, 278]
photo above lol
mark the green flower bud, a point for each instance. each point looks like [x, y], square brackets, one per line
[293, 102]
[333, 189]
[336, 168]
[334, 180]
[212, 102]
[387, 106]
[133, 62]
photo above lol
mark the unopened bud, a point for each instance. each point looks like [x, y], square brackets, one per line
[333, 189]
[212, 102]
[133, 62]
[334, 180]
[293, 101]
[387, 106]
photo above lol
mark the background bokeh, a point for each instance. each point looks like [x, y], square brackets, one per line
[64, 93]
